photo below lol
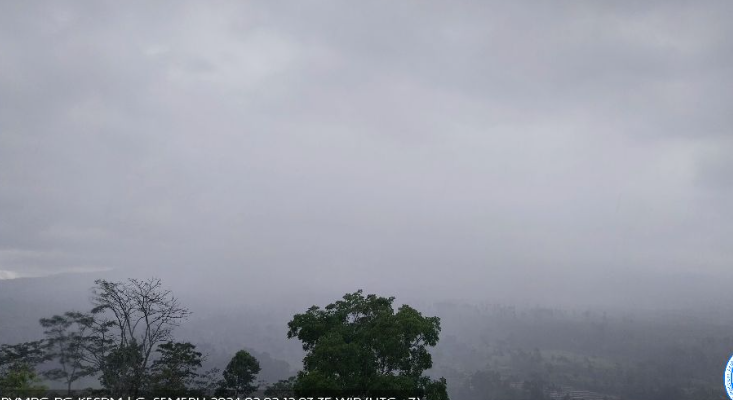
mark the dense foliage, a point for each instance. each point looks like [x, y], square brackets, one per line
[239, 376]
[360, 346]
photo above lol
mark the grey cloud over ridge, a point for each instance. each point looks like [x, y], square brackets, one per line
[492, 148]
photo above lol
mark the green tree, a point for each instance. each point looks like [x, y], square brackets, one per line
[21, 380]
[18, 377]
[69, 340]
[120, 369]
[360, 346]
[239, 375]
[176, 370]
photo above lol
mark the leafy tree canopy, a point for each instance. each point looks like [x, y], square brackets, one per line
[239, 375]
[359, 345]
[176, 370]
[21, 380]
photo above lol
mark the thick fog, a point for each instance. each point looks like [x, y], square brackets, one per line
[565, 153]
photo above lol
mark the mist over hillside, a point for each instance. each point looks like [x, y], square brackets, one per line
[611, 351]
[552, 180]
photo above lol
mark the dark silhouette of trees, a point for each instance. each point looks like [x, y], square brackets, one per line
[69, 341]
[144, 316]
[121, 371]
[281, 388]
[126, 340]
[239, 376]
[176, 370]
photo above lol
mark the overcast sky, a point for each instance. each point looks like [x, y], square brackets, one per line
[570, 149]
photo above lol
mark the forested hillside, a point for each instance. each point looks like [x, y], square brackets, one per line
[486, 351]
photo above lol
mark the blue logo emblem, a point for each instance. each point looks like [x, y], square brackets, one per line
[728, 377]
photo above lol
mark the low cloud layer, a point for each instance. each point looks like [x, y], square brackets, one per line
[560, 151]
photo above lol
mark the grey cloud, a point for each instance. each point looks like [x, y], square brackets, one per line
[486, 148]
